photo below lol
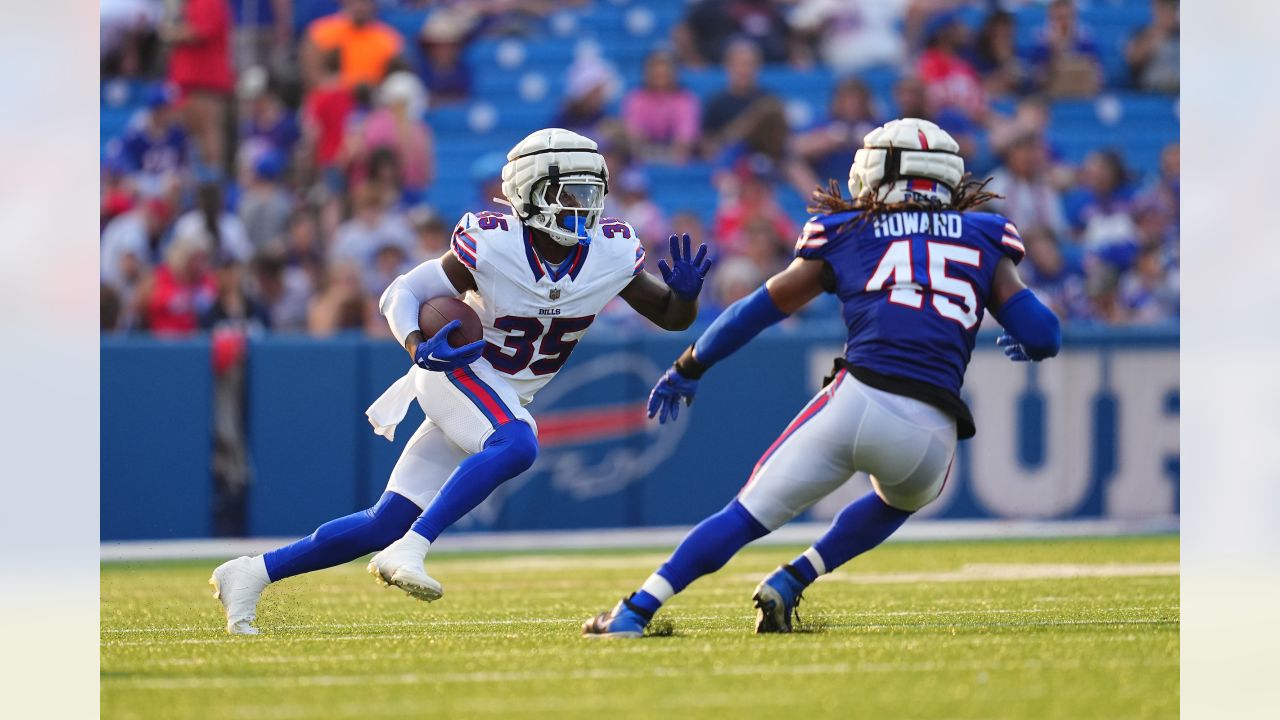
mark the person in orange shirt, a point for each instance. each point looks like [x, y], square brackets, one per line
[366, 45]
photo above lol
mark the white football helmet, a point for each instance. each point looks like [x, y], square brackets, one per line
[907, 159]
[555, 180]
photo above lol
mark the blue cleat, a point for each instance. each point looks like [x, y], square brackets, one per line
[623, 621]
[776, 598]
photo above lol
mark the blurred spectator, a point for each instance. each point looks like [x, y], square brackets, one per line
[366, 45]
[153, 148]
[590, 85]
[264, 33]
[851, 35]
[284, 295]
[911, 99]
[127, 40]
[200, 67]
[829, 146]
[341, 304]
[1162, 193]
[182, 288]
[267, 124]
[133, 244]
[764, 247]
[1150, 293]
[396, 125]
[710, 27]
[226, 235]
[1102, 286]
[431, 232]
[744, 114]
[1153, 53]
[389, 262]
[734, 279]
[995, 56]
[950, 80]
[1056, 280]
[110, 309]
[629, 200]
[265, 204]
[1029, 198]
[117, 195]
[445, 72]
[325, 110]
[1104, 219]
[232, 306]
[749, 197]
[683, 221]
[1064, 56]
[371, 226]
[661, 116]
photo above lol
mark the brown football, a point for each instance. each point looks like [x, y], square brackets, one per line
[438, 312]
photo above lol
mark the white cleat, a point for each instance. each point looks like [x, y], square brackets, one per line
[238, 584]
[400, 565]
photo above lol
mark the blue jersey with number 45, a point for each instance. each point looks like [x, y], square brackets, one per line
[913, 286]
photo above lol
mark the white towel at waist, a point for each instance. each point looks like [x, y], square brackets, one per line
[390, 408]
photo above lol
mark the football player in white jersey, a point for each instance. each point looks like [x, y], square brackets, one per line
[537, 277]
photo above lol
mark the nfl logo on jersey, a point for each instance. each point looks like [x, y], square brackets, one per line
[555, 293]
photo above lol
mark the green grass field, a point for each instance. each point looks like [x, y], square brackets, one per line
[1001, 629]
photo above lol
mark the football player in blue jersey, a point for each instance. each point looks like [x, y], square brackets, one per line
[914, 266]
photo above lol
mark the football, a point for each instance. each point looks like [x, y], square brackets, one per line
[438, 312]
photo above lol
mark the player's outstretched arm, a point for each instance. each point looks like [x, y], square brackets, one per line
[673, 303]
[783, 294]
[1032, 331]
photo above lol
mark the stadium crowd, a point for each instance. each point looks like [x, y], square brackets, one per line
[280, 170]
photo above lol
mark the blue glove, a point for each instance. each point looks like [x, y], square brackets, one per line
[1013, 349]
[438, 355]
[664, 399]
[685, 279]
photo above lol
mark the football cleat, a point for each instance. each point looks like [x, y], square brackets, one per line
[238, 584]
[400, 565]
[776, 599]
[623, 621]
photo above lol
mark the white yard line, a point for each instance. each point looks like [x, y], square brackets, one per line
[990, 572]
[418, 678]
[796, 533]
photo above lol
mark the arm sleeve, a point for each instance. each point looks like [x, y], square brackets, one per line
[401, 301]
[1033, 324]
[735, 327]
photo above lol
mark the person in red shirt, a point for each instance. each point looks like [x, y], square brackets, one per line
[182, 288]
[951, 81]
[200, 67]
[324, 112]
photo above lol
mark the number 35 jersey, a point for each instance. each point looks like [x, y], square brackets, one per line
[534, 312]
[913, 287]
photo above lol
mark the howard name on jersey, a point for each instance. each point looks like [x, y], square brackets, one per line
[913, 286]
[533, 312]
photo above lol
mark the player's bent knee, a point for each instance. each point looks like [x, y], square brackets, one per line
[519, 446]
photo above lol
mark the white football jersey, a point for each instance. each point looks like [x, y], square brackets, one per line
[533, 315]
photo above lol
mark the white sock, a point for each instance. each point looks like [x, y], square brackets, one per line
[415, 541]
[658, 587]
[815, 559]
[258, 566]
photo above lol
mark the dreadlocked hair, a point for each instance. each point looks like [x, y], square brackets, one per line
[968, 195]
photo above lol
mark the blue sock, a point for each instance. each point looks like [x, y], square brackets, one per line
[864, 524]
[703, 551]
[345, 539]
[509, 451]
